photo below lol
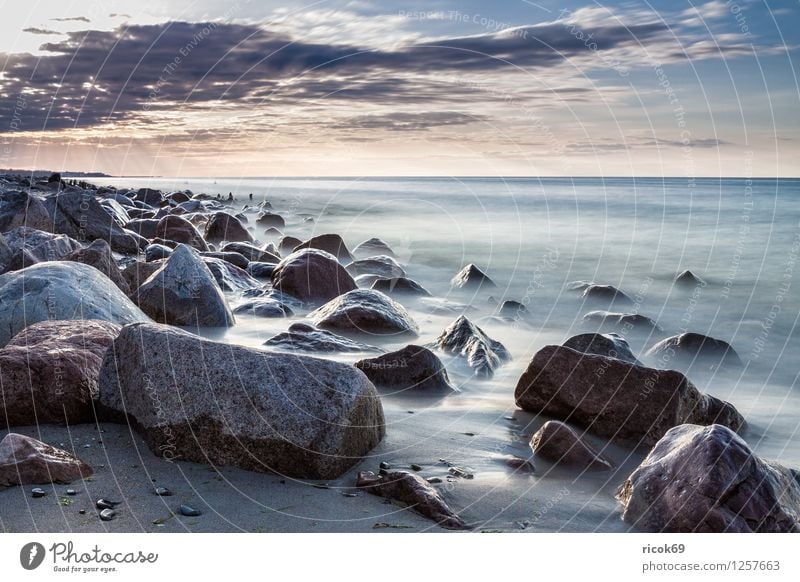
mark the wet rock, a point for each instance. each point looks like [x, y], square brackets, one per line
[98, 255]
[415, 492]
[23, 209]
[71, 492]
[400, 286]
[60, 290]
[25, 461]
[609, 344]
[694, 350]
[180, 230]
[229, 277]
[616, 399]
[189, 511]
[103, 503]
[235, 259]
[162, 492]
[137, 273]
[230, 405]
[108, 514]
[561, 445]
[145, 227]
[184, 292]
[372, 247]
[302, 337]
[606, 294]
[117, 211]
[155, 252]
[411, 368]
[264, 307]
[251, 252]
[270, 219]
[273, 232]
[472, 278]
[483, 354]
[513, 309]
[221, 226]
[49, 372]
[384, 266]
[43, 246]
[364, 311]
[178, 197]
[80, 216]
[287, 244]
[688, 279]
[312, 276]
[38, 492]
[330, 243]
[621, 321]
[149, 196]
[261, 270]
[706, 479]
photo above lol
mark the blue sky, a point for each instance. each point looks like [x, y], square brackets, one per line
[402, 88]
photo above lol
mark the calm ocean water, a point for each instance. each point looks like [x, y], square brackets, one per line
[534, 236]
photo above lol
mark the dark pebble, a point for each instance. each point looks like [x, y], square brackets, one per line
[415, 467]
[189, 511]
[384, 465]
[37, 492]
[163, 492]
[434, 480]
[71, 492]
[82, 511]
[107, 514]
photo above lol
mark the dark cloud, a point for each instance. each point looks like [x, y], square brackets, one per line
[34, 30]
[410, 121]
[71, 19]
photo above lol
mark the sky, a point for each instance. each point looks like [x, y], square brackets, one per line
[423, 88]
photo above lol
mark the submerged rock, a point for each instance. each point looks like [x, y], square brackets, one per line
[411, 368]
[513, 310]
[25, 461]
[415, 492]
[616, 399]
[61, 290]
[211, 402]
[222, 226]
[49, 372]
[483, 354]
[302, 337]
[691, 350]
[689, 279]
[330, 243]
[270, 219]
[399, 286]
[184, 292]
[312, 276]
[235, 259]
[471, 277]
[287, 244]
[621, 321]
[383, 265]
[259, 270]
[706, 479]
[561, 445]
[606, 294]
[264, 307]
[609, 344]
[251, 252]
[364, 311]
[372, 247]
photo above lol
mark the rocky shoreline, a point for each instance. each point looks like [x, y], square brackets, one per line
[101, 290]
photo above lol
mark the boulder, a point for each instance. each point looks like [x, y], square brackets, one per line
[49, 372]
[270, 219]
[411, 368]
[116, 210]
[616, 399]
[414, 491]
[330, 243]
[687, 279]
[178, 197]
[312, 276]
[384, 266]
[706, 479]
[250, 252]
[260, 270]
[287, 244]
[472, 278]
[621, 321]
[273, 232]
[222, 226]
[230, 277]
[156, 252]
[302, 337]
[211, 402]
[43, 246]
[60, 290]
[98, 255]
[235, 259]
[371, 247]
[178, 229]
[513, 310]
[184, 292]
[483, 354]
[149, 196]
[610, 345]
[22, 209]
[364, 311]
[145, 227]
[561, 445]
[80, 216]
[694, 350]
[137, 273]
[400, 286]
[264, 307]
[26, 461]
[6, 254]
[605, 294]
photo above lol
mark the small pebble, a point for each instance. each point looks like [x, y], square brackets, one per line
[71, 492]
[469, 433]
[107, 514]
[189, 511]
[434, 480]
[415, 467]
[321, 486]
[37, 492]
[106, 504]
[82, 511]
[346, 494]
[385, 465]
[163, 492]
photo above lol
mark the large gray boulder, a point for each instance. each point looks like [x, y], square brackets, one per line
[180, 230]
[98, 255]
[312, 276]
[381, 265]
[364, 311]
[184, 292]
[81, 216]
[61, 290]
[223, 226]
[42, 245]
[330, 243]
[49, 372]
[608, 344]
[706, 479]
[561, 445]
[411, 368]
[693, 350]
[205, 401]
[616, 399]
[625, 322]
[465, 339]
[22, 209]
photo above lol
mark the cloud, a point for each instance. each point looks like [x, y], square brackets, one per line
[72, 19]
[406, 121]
[34, 30]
